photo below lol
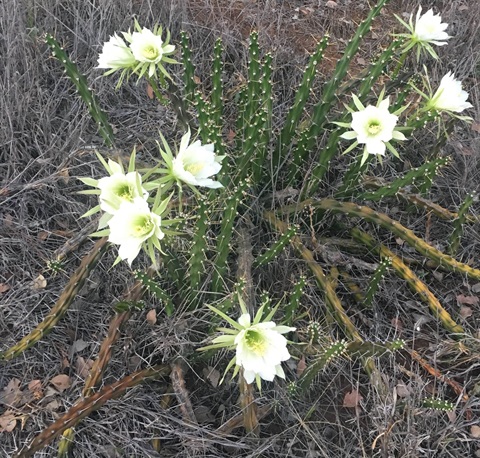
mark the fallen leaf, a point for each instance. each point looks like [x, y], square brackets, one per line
[465, 311]
[400, 241]
[8, 422]
[65, 175]
[467, 300]
[83, 366]
[12, 394]
[197, 80]
[152, 317]
[301, 366]
[35, 387]
[212, 375]
[452, 416]
[52, 406]
[475, 431]
[331, 4]
[43, 235]
[61, 382]
[475, 126]
[4, 288]
[230, 135]
[476, 288]
[150, 93]
[361, 61]
[352, 399]
[78, 346]
[39, 282]
[402, 390]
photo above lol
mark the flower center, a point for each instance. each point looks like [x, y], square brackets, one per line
[142, 226]
[374, 127]
[255, 341]
[125, 192]
[195, 168]
[150, 52]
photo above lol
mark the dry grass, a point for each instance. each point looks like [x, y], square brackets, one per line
[46, 139]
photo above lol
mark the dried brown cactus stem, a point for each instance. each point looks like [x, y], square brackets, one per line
[84, 407]
[404, 272]
[331, 299]
[113, 334]
[372, 216]
[63, 303]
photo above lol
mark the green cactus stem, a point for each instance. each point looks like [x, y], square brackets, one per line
[438, 404]
[456, 235]
[394, 187]
[413, 281]
[80, 82]
[308, 138]
[294, 303]
[335, 350]
[73, 286]
[303, 92]
[273, 251]
[188, 68]
[375, 281]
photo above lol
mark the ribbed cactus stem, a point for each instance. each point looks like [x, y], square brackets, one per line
[63, 303]
[375, 281]
[458, 224]
[328, 354]
[307, 141]
[294, 302]
[272, 252]
[80, 82]
[395, 186]
[188, 68]
[303, 92]
[225, 235]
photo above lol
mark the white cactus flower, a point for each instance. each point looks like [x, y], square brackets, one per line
[260, 346]
[449, 96]
[196, 163]
[131, 226]
[427, 30]
[373, 126]
[119, 188]
[116, 54]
